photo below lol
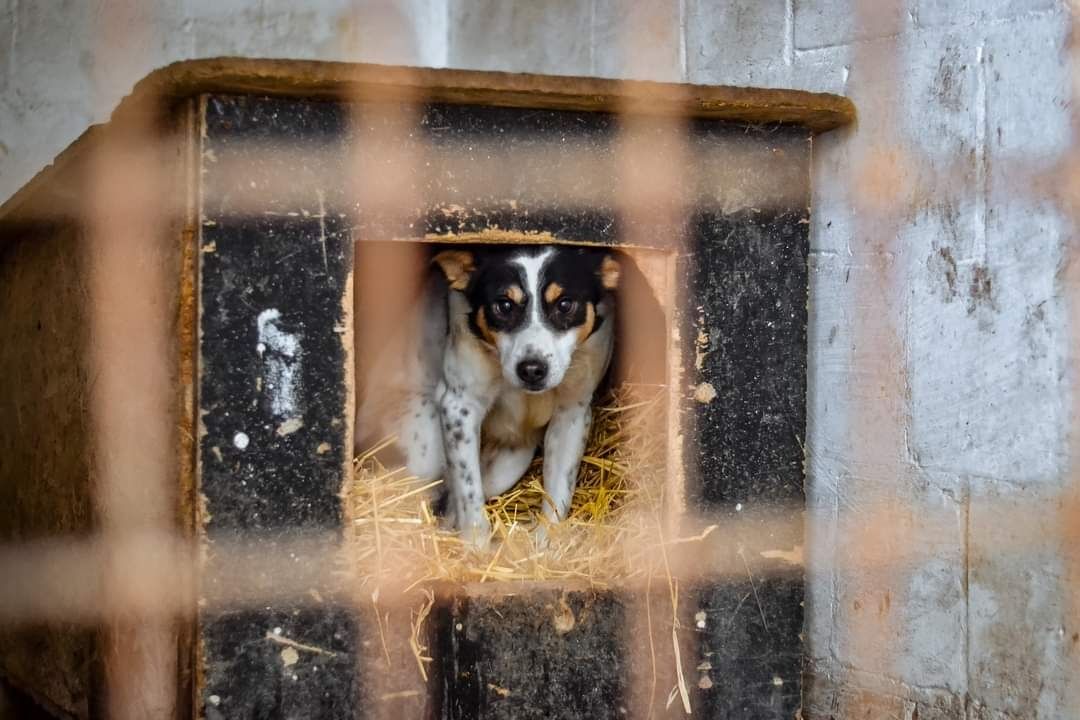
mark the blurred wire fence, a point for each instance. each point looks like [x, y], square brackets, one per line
[138, 573]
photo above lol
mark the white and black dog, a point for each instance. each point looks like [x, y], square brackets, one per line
[506, 351]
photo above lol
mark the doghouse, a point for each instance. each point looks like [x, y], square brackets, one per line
[267, 197]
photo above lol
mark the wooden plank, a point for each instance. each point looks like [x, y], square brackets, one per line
[45, 448]
[538, 654]
[54, 192]
[817, 112]
[275, 448]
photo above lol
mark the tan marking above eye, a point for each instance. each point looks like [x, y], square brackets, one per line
[516, 294]
[586, 328]
[554, 290]
[485, 331]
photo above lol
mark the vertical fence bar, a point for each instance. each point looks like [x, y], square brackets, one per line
[131, 364]
[878, 422]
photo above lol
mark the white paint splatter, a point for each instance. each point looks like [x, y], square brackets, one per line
[281, 355]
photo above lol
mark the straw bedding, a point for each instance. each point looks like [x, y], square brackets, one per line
[609, 537]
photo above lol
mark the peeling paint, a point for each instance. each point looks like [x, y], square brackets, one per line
[290, 426]
[563, 617]
[705, 393]
[701, 344]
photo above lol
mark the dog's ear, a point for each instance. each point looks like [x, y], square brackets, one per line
[609, 273]
[457, 265]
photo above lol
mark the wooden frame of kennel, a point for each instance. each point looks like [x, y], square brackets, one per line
[229, 485]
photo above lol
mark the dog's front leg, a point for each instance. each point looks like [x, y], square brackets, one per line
[564, 444]
[461, 420]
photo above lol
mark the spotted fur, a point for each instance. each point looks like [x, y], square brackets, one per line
[513, 342]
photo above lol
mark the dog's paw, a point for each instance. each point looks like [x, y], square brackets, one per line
[447, 519]
[541, 536]
[477, 534]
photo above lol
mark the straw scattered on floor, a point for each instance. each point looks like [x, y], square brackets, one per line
[614, 534]
[614, 518]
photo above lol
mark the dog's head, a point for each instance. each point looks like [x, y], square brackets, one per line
[533, 305]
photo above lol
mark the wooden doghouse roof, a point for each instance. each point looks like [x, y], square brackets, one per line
[50, 193]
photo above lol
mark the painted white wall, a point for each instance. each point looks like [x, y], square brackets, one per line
[938, 350]
[65, 64]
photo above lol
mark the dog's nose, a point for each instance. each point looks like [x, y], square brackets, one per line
[532, 372]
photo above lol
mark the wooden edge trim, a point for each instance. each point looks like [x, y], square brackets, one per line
[161, 89]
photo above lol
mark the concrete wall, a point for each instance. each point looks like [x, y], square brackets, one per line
[940, 383]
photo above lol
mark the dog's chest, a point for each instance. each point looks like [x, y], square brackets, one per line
[516, 418]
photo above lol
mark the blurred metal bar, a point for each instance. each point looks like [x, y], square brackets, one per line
[63, 578]
[878, 419]
[131, 390]
[1068, 193]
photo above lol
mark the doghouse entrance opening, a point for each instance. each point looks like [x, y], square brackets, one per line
[624, 484]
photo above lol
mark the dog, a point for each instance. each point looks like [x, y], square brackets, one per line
[505, 353]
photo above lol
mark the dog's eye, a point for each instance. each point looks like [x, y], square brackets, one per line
[565, 305]
[503, 306]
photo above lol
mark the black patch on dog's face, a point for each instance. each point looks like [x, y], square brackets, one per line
[496, 294]
[498, 289]
[567, 289]
[570, 283]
